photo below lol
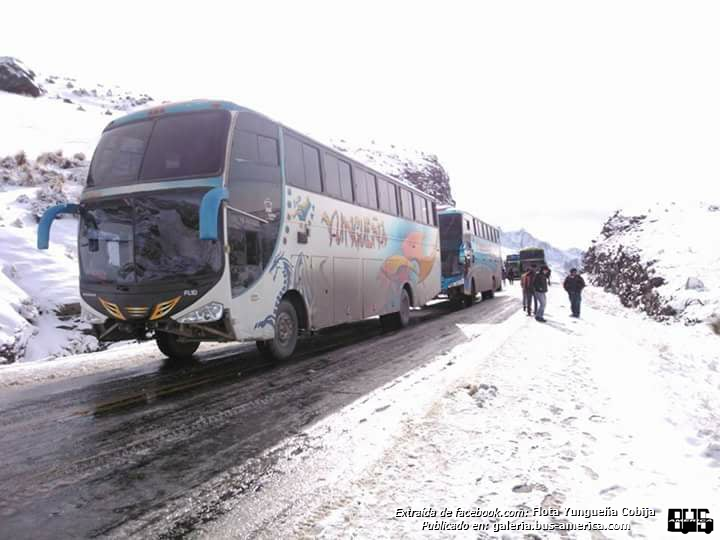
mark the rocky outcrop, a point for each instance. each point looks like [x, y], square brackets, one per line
[662, 262]
[419, 169]
[430, 177]
[17, 79]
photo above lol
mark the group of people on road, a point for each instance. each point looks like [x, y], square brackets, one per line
[535, 283]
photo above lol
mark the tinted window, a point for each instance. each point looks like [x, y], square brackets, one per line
[434, 214]
[406, 203]
[345, 180]
[267, 150]
[361, 182]
[119, 155]
[245, 257]
[311, 156]
[393, 194]
[186, 146]
[384, 195]
[294, 167]
[245, 146]
[420, 208]
[332, 178]
[371, 191]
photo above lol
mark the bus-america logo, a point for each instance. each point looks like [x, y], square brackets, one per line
[687, 520]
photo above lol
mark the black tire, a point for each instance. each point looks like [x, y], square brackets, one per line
[287, 329]
[399, 319]
[174, 349]
[470, 300]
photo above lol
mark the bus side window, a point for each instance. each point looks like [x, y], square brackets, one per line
[434, 215]
[406, 204]
[372, 191]
[420, 213]
[245, 251]
[360, 180]
[393, 191]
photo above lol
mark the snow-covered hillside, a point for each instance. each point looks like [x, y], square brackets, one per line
[558, 259]
[46, 139]
[665, 262]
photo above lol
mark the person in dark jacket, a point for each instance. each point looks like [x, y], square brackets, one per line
[526, 282]
[574, 284]
[540, 285]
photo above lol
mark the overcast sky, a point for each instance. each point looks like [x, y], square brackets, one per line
[547, 115]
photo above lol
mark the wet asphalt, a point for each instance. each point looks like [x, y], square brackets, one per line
[91, 456]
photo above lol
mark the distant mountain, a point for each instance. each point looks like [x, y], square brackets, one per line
[558, 259]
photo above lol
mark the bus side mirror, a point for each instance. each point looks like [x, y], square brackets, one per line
[43, 238]
[210, 212]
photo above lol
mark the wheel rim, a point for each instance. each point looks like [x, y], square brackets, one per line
[405, 306]
[285, 328]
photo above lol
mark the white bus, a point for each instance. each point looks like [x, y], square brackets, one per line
[206, 221]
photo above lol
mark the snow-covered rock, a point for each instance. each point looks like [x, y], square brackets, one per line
[665, 262]
[419, 169]
[38, 290]
[17, 79]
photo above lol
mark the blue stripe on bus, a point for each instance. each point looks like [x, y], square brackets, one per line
[185, 106]
[43, 238]
[213, 182]
[210, 212]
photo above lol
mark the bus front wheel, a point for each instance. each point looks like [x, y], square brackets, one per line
[173, 348]
[282, 346]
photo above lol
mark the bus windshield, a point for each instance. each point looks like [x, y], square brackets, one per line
[145, 240]
[171, 147]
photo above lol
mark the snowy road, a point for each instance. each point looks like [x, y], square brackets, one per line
[480, 408]
[90, 456]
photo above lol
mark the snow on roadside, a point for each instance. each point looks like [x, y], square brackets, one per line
[38, 286]
[613, 410]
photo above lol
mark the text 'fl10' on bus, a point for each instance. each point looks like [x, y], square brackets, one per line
[206, 221]
[470, 257]
[530, 256]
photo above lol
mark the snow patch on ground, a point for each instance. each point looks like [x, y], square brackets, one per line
[612, 410]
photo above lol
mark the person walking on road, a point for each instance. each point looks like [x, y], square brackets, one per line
[511, 275]
[574, 284]
[540, 284]
[527, 283]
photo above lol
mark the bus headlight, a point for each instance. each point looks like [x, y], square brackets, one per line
[208, 313]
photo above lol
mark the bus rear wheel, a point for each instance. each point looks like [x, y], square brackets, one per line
[282, 346]
[399, 319]
[173, 348]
